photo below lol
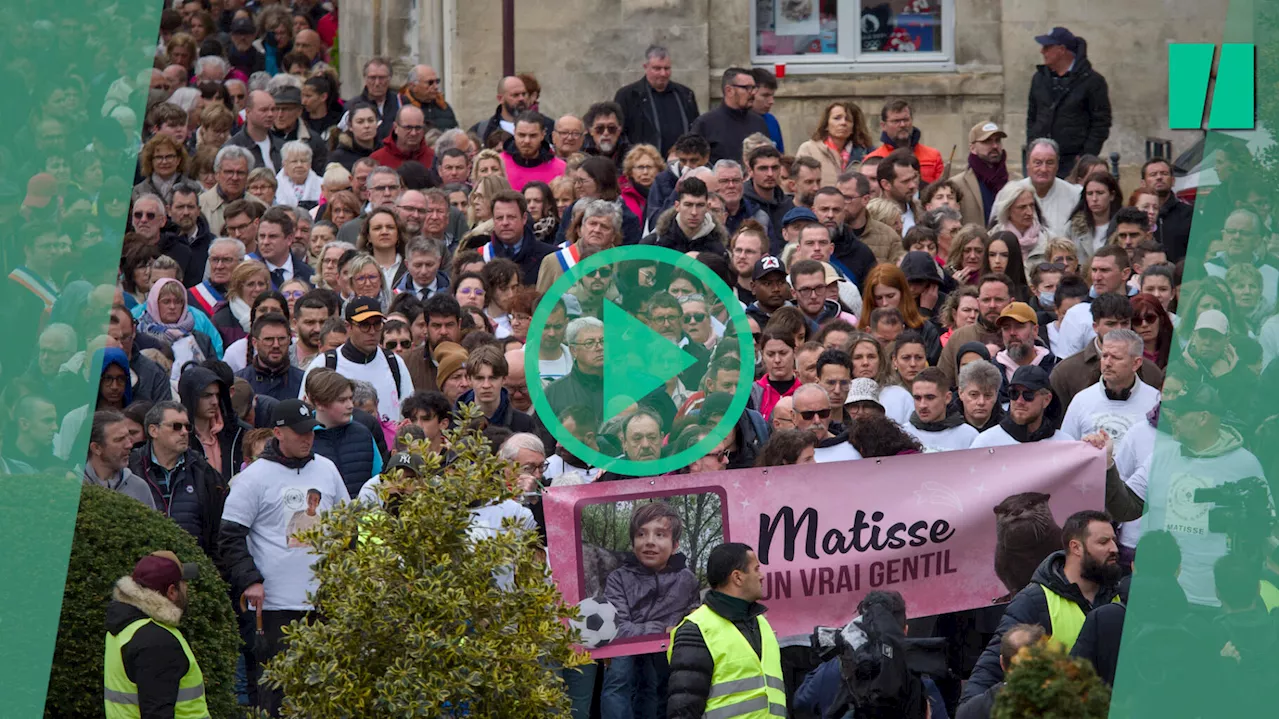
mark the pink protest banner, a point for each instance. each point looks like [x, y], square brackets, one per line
[826, 534]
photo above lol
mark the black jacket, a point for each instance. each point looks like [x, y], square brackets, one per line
[191, 253]
[692, 666]
[1074, 110]
[351, 448]
[726, 128]
[153, 659]
[641, 123]
[529, 257]
[196, 493]
[619, 153]
[486, 127]
[347, 153]
[632, 228]
[1029, 606]
[668, 233]
[1099, 640]
[194, 380]
[1175, 227]
[776, 207]
[284, 383]
[242, 139]
[386, 113]
[855, 255]
[153, 382]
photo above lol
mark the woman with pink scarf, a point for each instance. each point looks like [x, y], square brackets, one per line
[1016, 210]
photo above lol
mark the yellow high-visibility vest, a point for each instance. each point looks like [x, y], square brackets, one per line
[1065, 617]
[120, 695]
[742, 684]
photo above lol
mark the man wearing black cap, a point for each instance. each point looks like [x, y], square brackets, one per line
[267, 565]
[242, 55]
[362, 357]
[407, 463]
[288, 125]
[1069, 101]
[769, 284]
[927, 280]
[148, 667]
[1029, 397]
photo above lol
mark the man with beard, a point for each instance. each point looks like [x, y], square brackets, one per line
[937, 429]
[995, 292]
[444, 324]
[1019, 332]
[148, 667]
[745, 249]
[527, 156]
[190, 230]
[988, 172]
[1066, 586]
[309, 315]
[604, 133]
[1175, 215]
[269, 372]
[1029, 396]
[898, 176]
[812, 410]
[411, 207]
[769, 284]
[732, 121]
[513, 99]
[857, 189]
[642, 436]
[851, 257]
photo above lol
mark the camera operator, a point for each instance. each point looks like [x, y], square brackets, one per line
[821, 689]
[1196, 492]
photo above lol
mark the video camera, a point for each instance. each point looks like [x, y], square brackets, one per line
[1243, 509]
[881, 668]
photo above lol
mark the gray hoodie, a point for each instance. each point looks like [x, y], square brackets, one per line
[126, 483]
[651, 603]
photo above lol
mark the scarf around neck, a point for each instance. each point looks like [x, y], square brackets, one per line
[991, 177]
[150, 321]
[950, 421]
[1019, 432]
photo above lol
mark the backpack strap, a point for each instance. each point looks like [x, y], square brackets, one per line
[395, 368]
[331, 359]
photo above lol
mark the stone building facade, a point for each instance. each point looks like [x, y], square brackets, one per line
[583, 50]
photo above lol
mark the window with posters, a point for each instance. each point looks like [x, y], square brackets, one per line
[854, 35]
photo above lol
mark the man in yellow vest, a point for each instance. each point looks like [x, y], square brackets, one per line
[149, 671]
[1066, 586]
[724, 656]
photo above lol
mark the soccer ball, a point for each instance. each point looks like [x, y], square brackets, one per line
[596, 622]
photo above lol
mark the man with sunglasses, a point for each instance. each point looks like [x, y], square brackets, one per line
[422, 90]
[937, 429]
[732, 121]
[605, 136]
[1029, 396]
[811, 410]
[183, 485]
[362, 358]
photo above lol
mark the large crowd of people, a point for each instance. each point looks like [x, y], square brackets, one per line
[313, 277]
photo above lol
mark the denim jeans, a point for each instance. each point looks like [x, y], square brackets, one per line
[635, 687]
[580, 685]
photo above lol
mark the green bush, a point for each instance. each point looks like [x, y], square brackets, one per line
[1047, 683]
[414, 618]
[112, 532]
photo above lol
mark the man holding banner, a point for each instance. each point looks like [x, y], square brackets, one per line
[712, 673]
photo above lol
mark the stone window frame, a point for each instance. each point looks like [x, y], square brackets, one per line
[858, 61]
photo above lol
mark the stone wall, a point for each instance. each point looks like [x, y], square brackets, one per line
[583, 50]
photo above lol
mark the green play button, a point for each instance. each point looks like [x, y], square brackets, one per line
[620, 361]
[630, 375]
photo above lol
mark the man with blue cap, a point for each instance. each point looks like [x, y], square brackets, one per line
[1069, 102]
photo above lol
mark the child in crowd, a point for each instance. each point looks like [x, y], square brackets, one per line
[651, 592]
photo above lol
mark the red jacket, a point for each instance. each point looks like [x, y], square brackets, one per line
[931, 163]
[392, 156]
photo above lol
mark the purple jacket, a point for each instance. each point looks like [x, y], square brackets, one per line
[649, 603]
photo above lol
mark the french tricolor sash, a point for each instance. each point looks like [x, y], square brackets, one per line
[47, 294]
[568, 257]
[206, 297]
[486, 251]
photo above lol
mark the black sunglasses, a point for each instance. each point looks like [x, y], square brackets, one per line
[1026, 395]
[178, 426]
[402, 344]
[819, 413]
[1051, 267]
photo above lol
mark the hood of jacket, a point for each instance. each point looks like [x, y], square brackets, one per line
[271, 453]
[545, 154]
[709, 232]
[193, 383]
[347, 142]
[1228, 440]
[911, 141]
[423, 154]
[134, 601]
[951, 421]
[116, 356]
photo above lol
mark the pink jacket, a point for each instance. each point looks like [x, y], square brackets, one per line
[519, 176]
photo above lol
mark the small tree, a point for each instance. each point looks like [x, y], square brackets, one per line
[1045, 682]
[112, 532]
[415, 624]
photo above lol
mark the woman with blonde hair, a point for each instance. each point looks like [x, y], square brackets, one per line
[886, 211]
[262, 185]
[639, 169]
[1017, 210]
[163, 160]
[326, 263]
[840, 141]
[248, 280]
[479, 212]
[968, 249]
[341, 208]
[217, 123]
[887, 286]
[1064, 252]
[364, 278]
[487, 162]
